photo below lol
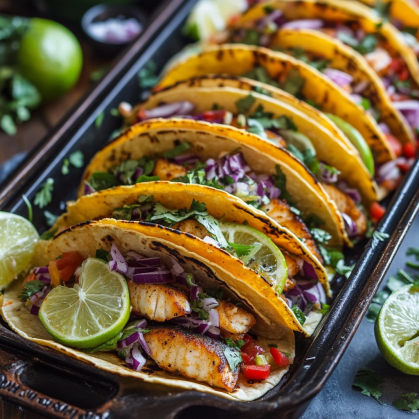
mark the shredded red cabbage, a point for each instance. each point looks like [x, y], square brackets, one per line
[304, 24]
[350, 225]
[338, 77]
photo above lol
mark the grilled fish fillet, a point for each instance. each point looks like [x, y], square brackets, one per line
[192, 227]
[191, 355]
[158, 302]
[234, 319]
[292, 265]
[346, 205]
[281, 212]
[168, 171]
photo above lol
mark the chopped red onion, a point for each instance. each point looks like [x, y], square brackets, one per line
[310, 297]
[134, 255]
[272, 17]
[44, 279]
[168, 110]
[34, 310]
[350, 225]
[153, 277]
[304, 24]
[359, 87]
[388, 171]
[143, 344]
[209, 303]
[128, 341]
[356, 98]
[384, 127]
[150, 261]
[410, 110]
[34, 299]
[214, 318]
[138, 361]
[88, 189]
[188, 322]
[118, 263]
[305, 285]
[202, 328]
[213, 332]
[309, 270]
[176, 268]
[327, 175]
[194, 292]
[138, 172]
[41, 270]
[185, 158]
[351, 192]
[339, 77]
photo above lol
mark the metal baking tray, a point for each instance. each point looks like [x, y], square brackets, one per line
[56, 386]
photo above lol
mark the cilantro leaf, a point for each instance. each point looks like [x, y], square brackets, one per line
[31, 288]
[372, 313]
[103, 254]
[299, 314]
[99, 120]
[244, 104]
[241, 249]
[233, 357]
[383, 8]
[50, 218]
[313, 221]
[147, 76]
[251, 37]
[49, 234]
[280, 181]
[64, 169]
[260, 73]
[343, 269]
[379, 236]
[407, 401]
[44, 196]
[367, 381]
[293, 82]
[177, 150]
[320, 236]
[145, 178]
[103, 180]
[76, 159]
[110, 345]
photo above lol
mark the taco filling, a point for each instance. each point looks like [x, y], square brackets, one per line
[280, 130]
[183, 327]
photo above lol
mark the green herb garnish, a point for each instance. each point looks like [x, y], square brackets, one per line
[31, 288]
[368, 381]
[44, 196]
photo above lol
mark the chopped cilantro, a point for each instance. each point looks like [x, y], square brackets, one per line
[367, 381]
[372, 313]
[216, 293]
[49, 234]
[99, 120]
[31, 288]
[256, 128]
[145, 178]
[412, 30]
[261, 74]
[29, 206]
[76, 159]
[407, 401]
[114, 112]
[244, 104]
[379, 236]
[147, 77]
[380, 297]
[412, 264]
[50, 218]
[343, 269]
[103, 254]
[44, 196]
[251, 37]
[64, 168]
[313, 221]
[189, 280]
[383, 8]
[241, 249]
[233, 357]
[320, 236]
[330, 256]
[367, 45]
[237, 344]
[293, 83]
[177, 150]
[299, 314]
[102, 180]
[365, 103]
[110, 345]
[197, 307]
[280, 182]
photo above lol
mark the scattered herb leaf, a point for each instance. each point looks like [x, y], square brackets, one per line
[367, 381]
[44, 196]
[407, 401]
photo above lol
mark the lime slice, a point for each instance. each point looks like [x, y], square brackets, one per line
[264, 257]
[397, 330]
[18, 237]
[298, 140]
[90, 313]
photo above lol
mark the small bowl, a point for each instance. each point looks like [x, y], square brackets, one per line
[103, 12]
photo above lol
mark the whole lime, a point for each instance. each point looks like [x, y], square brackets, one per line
[50, 57]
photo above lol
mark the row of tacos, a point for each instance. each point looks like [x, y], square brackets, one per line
[226, 203]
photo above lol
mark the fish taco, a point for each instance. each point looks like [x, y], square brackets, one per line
[193, 325]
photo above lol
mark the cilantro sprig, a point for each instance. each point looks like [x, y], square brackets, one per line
[44, 195]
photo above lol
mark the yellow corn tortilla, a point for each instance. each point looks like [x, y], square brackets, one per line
[219, 204]
[318, 88]
[209, 141]
[152, 241]
[346, 59]
[329, 148]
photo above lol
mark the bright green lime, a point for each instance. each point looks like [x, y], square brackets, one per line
[357, 140]
[18, 237]
[50, 57]
[90, 313]
[265, 257]
[397, 330]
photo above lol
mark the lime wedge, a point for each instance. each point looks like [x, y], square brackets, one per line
[18, 237]
[90, 313]
[397, 330]
[264, 256]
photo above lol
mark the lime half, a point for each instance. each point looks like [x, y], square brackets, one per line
[264, 256]
[18, 237]
[397, 330]
[90, 313]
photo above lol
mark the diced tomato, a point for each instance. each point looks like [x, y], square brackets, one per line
[248, 343]
[397, 65]
[30, 277]
[397, 97]
[404, 74]
[69, 258]
[404, 167]
[377, 211]
[245, 357]
[256, 372]
[253, 351]
[409, 150]
[141, 115]
[281, 359]
[394, 144]
[211, 116]
[68, 264]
